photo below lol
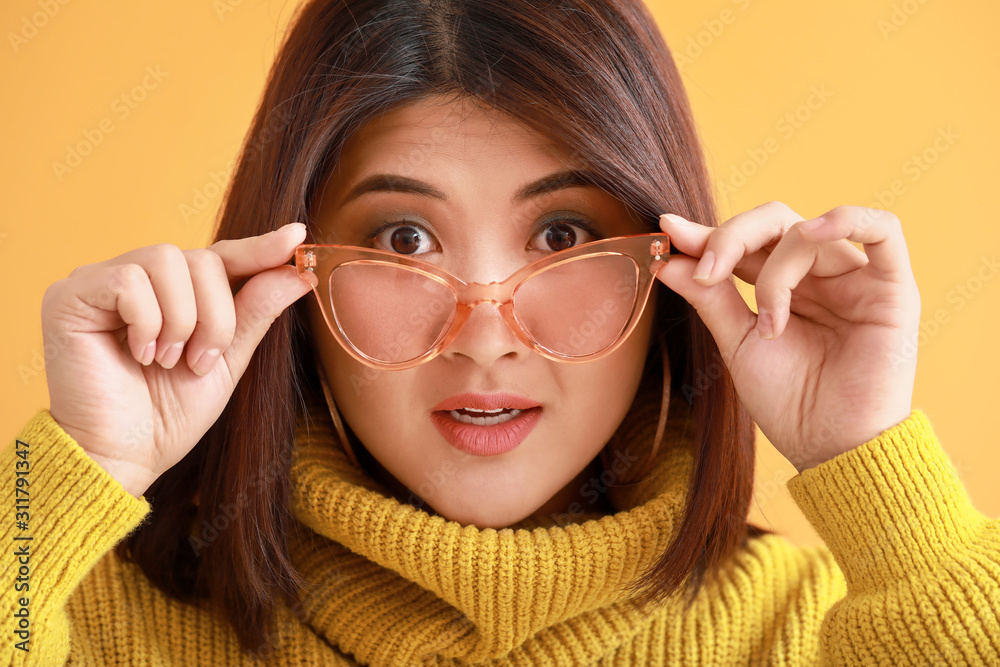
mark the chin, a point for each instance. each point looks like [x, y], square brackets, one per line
[485, 515]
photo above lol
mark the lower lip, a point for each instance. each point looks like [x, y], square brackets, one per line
[487, 440]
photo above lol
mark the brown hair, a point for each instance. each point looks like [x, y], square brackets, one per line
[595, 76]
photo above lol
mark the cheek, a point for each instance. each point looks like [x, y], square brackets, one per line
[630, 358]
[359, 389]
[597, 395]
[621, 371]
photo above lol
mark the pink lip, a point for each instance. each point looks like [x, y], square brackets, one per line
[486, 440]
[486, 402]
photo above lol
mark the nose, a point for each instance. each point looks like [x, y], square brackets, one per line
[485, 338]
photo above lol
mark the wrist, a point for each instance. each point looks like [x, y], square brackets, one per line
[857, 440]
[132, 477]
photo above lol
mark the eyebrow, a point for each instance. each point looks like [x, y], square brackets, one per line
[560, 180]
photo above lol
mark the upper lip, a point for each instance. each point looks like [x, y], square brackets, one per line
[486, 402]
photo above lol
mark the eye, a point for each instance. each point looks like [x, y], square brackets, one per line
[410, 238]
[405, 238]
[564, 233]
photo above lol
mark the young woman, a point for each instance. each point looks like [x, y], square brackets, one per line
[514, 422]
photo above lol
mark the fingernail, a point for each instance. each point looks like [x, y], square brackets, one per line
[149, 353]
[171, 355]
[704, 268]
[292, 227]
[812, 225]
[765, 324]
[205, 361]
[673, 217]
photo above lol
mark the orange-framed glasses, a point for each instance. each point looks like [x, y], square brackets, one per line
[393, 312]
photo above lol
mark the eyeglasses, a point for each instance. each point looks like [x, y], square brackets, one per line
[393, 312]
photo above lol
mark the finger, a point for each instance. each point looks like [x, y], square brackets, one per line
[242, 257]
[879, 231]
[115, 296]
[731, 246]
[216, 319]
[167, 272]
[249, 256]
[260, 301]
[167, 269]
[691, 238]
[790, 261]
[720, 306]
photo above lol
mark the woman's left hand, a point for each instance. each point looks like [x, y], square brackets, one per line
[840, 366]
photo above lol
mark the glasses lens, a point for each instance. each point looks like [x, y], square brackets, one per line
[388, 312]
[581, 306]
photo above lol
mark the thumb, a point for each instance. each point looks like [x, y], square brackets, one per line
[258, 303]
[720, 306]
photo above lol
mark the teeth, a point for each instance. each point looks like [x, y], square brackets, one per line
[492, 420]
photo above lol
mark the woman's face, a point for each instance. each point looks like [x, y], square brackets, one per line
[477, 160]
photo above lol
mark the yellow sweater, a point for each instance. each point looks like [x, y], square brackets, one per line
[910, 574]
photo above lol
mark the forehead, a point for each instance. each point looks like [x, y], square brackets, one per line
[442, 128]
[471, 161]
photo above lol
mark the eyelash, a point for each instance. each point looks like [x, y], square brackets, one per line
[575, 222]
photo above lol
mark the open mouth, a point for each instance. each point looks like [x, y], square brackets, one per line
[486, 432]
[484, 417]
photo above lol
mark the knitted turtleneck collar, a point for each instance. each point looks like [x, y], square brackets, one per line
[390, 583]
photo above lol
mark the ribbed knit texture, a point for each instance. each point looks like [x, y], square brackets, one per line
[910, 574]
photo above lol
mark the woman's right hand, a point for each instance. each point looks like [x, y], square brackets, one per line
[129, 345]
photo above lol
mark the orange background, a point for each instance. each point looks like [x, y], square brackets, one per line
[813, 105]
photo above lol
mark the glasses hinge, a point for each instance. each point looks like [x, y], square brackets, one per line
[656, 248]
[309, 261]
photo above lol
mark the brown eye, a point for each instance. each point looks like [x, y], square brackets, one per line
[560, 237]
[405, 240]
[563, 234]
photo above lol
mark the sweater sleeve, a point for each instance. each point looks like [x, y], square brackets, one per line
[921, 564]
[65, 512]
